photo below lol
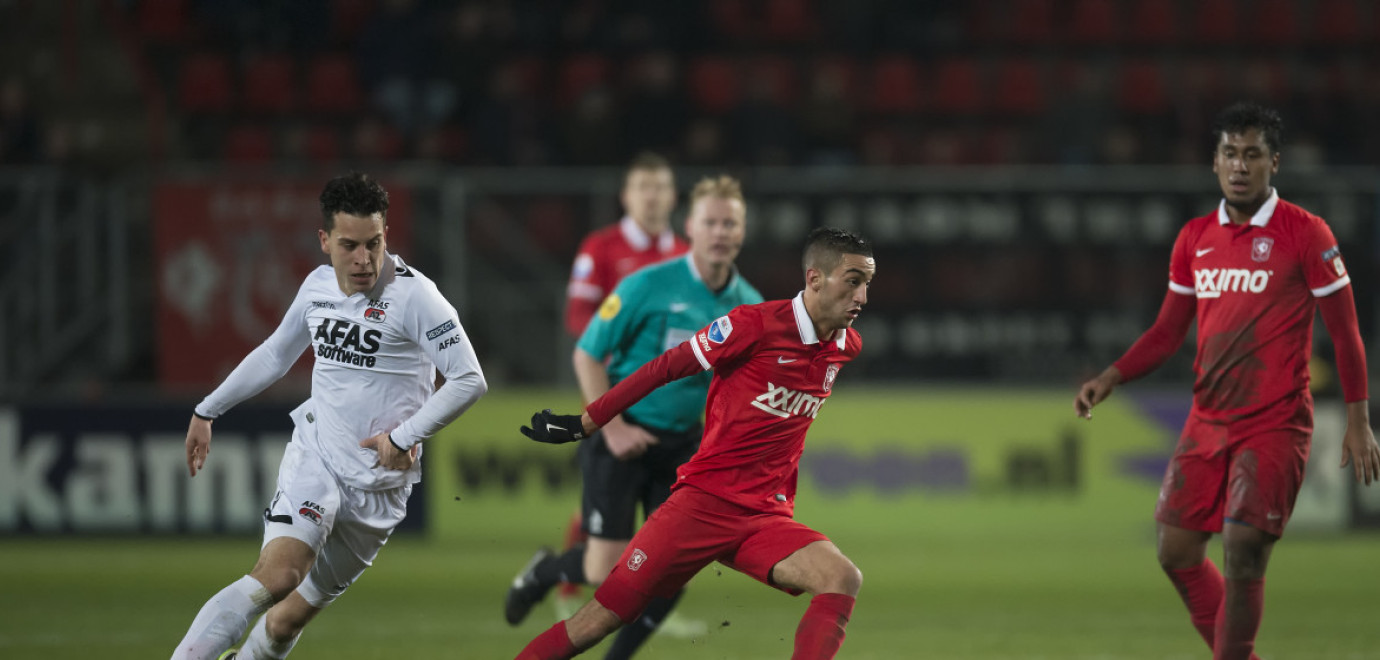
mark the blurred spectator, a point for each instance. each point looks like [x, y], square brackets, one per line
[398, 52]
[828, 122]
[704, 144]
[20, 134]
[509, 124]
[760, 128]
[469, 50]
[593, 130]
[1079, 119]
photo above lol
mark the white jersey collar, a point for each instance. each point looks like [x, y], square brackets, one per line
[1261, 217]
[640, 240]
[806, 326]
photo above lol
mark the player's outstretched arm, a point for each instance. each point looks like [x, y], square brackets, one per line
[1096, 391]
[198, 443]
[1358, 447]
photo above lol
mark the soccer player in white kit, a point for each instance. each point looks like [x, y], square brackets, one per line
[380, 332]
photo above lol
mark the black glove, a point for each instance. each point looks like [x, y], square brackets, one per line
[555, 429]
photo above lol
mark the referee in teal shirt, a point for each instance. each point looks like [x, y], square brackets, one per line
[634, 457]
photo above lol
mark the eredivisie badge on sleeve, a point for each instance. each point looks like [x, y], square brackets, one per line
[1333, 255]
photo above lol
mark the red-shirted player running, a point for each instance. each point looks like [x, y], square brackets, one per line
[1252, 272]
[643, 237]
[774, 366]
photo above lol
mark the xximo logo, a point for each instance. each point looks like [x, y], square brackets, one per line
[784, 402]
[1213, 282]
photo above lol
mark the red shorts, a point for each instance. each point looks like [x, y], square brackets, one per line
[1218, 473]
[685, 534]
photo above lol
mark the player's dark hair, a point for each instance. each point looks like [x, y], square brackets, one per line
[648, 161]
[1243, 116]
[355, 194]
[825, 247]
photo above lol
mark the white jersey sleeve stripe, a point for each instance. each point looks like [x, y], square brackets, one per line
[1179, 288]
[585, 291]
[1329, 289]
[699, 356]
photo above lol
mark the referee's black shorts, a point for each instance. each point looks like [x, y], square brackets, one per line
[613, 488]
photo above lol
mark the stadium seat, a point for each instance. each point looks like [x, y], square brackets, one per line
[162, 21]
[1031, 22]
[789, 21]
[321, 144]
[730, 19]
[840, 66]
[1094, 22]
[1337, 22]
[374, 140]
[1274, 23]
[1153, 23]
[578, 74]
[270, 85]
[779, 73]
[333, 85]
[205, 85]
[714, 84]
[1141, 88]
[894, 86]
[1214, 22]
[1264, 80]
[1020, 87]
[348, 18]
[958, 87]
[248, 144]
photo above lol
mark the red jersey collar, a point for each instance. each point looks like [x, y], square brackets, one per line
[806, 326]
[640, 240]
[1261, 217]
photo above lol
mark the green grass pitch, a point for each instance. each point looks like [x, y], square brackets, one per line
[953, 579]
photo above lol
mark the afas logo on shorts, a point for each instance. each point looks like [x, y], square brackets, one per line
[636, 560]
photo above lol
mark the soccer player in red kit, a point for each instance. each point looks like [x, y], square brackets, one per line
[1252, 272]
[774, 366]
[643, 237]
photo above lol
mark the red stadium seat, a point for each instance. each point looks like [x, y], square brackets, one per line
[163, 21]
[321, 144]
[895, 86]
[270, 85]
[376, 141]
[1153, 22]
[1264, 80]
[249, 144]
[958, 87]
[204, 84]
[1214, 22]
[1020, 87]
[1337, 22]
[1142, 88]
[348, 18]
[1094, 22]
[580, 73]
[841, 67]
[730, 19]
[333, 85]
[1275, 23]
[714, 84]
[780, 76]
[1031, 22]
[790, 21]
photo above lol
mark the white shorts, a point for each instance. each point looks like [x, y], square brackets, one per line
[344, 525]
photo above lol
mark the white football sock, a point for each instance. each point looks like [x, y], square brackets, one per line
[223, 619]
[260, 647]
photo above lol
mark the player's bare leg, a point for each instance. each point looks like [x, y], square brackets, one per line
[281, 566]
[569, 638]
[823, 571]
[1246, 553]
[273, 637]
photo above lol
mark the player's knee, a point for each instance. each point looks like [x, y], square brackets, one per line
[844, 578]
[279, 580]
[282, 629]
[1244, 560]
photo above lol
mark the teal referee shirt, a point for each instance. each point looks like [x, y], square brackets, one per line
[650, 311]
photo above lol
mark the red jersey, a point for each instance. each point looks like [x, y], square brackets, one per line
[771, 376]
[606, 256]
[1256, 286]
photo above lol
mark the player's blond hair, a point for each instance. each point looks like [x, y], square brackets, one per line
[722, 186]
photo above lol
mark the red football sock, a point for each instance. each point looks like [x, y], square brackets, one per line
[554, 644]
[1239, 620]
[820, 633]
[1202, 588]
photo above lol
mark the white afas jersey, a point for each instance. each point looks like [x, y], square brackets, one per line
[374, 358]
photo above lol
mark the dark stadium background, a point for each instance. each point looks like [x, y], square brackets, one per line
[1022, 165]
